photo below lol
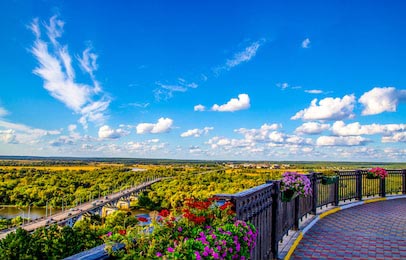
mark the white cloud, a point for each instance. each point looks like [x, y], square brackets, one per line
[166, 91]
[163, 125]
[395, 138]
[283, 85]
[8, 136]
[379, 100]
[196, 132]
[312, 128]
[106, 132]
[341, 141]
[328, 109]
[246, 55]
[341, 129]
[55, 68]
[3, 112]
[306, 43]
[243, 102]
[276, 137]
[19, 133]
[314, 91]
[199, 108]
[260, 134]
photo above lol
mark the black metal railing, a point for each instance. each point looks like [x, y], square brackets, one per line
[273, 218]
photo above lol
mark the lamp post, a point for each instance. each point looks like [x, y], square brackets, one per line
[23, 214]
[29, 211]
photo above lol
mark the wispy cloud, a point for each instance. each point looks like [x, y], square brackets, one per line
[166, 91]
[246, 55]
[235, 104]
[240, 57]
[314, 91]
[56, 69]
[3, 112]
[306, 43]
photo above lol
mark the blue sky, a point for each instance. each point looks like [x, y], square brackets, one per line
[246, 80]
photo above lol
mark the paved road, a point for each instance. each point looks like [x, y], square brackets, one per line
[68, 214]
[370, 231]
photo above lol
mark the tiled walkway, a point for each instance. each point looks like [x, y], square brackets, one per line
[370, 231]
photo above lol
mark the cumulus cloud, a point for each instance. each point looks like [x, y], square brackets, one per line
[235, 104]
[106, 132]
[8, 136]
[328, 109]
[20, 133]
[341, 129]
[196, 132]
[341, 141]
[312, 128]
[199, 108]
[260, 134]
[56, 69]
[379, 100]
[306, 43]
[162, 126]
[395, 138]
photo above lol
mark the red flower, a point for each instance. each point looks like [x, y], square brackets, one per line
[164, 213]
[142, 219]
[122, 232]
[226, 205]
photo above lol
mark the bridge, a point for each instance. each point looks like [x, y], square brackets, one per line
[69, 217]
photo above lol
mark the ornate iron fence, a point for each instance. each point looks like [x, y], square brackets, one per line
[274, 218]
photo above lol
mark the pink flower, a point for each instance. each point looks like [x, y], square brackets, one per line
[170, 250]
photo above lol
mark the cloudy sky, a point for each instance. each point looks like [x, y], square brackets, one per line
[246, 80]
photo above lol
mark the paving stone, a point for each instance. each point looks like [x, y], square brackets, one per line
[370, 231]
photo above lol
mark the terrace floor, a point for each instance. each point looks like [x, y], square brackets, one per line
[369, 231]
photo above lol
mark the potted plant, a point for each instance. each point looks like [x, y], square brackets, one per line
[294, 184]
[376, 173]
[329, 177]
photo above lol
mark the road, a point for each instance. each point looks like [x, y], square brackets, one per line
[78, 210]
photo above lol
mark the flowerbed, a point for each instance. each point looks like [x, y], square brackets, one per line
[199, 230]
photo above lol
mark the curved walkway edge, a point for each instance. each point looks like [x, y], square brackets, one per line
[298, 236]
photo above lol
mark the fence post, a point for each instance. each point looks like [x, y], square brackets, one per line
[404, 181]
[336, 185]
[275, 214]
[382, 187]
[313, 178]
[359, 184]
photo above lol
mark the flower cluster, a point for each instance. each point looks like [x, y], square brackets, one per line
[296, 182]
[378, 172]
[199, 230]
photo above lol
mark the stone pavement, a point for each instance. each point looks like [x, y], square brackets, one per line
[369, 231]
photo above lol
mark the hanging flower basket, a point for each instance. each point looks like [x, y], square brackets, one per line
[289, 195]
[376, 173]
[370, 175]
[327, 180]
